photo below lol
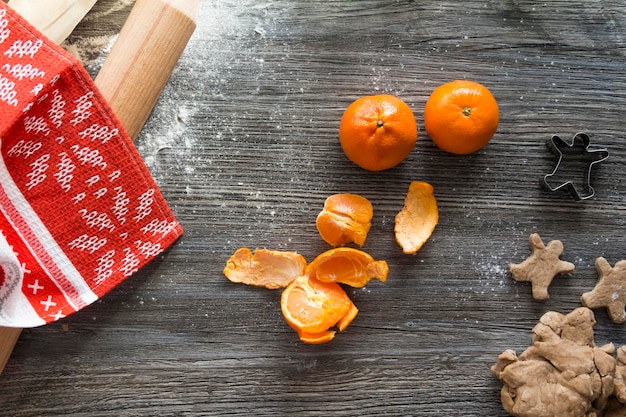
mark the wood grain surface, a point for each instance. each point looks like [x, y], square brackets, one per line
[243, 144]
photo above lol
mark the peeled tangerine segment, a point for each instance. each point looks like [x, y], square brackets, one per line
[345, 218]
[264, 268]
[349, 266]
[313, 308]
[416, 221]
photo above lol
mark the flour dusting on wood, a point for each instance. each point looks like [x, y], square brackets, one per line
[169, 133]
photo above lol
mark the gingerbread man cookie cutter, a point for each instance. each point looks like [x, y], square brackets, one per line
[577, 152]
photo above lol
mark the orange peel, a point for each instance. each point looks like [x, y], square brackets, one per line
[348, 266]
[415, 223]
[345, 218]
[314, 309]
[264, 268]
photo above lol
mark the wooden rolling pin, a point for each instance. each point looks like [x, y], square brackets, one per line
[134, 75]
[143, 58]
[8, 339]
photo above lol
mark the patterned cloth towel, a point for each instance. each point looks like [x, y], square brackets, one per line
[79, 211]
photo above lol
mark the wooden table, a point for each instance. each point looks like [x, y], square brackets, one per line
[244, 146]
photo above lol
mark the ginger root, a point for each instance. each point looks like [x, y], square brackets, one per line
[563, 373]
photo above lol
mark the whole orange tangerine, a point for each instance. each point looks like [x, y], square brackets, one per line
[461, 116]
[378, 132]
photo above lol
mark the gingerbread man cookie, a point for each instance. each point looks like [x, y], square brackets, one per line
[610, 290]
[541, 266]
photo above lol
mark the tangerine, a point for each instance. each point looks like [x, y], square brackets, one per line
[347, 266]
[345, 218]
[461, 116]
[312, 308]
[378, 132]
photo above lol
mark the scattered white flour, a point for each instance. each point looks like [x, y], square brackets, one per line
[91, 52]
[492, 272]
[169, 134]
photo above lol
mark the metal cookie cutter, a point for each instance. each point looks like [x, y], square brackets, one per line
[570, 158]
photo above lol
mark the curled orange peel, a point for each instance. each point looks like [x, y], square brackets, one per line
[313, 302]
[415, 223]
[348, 266]
[345, 218]
[314, 309]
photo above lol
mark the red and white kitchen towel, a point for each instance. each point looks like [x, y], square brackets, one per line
[79, 211]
